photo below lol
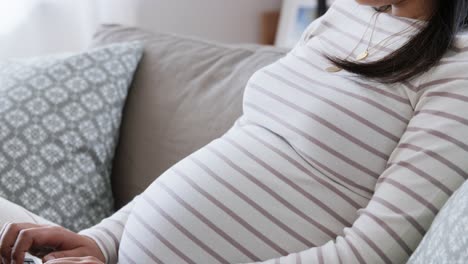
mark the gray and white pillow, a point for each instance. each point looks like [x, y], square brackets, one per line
[446, 242]
[59, 123]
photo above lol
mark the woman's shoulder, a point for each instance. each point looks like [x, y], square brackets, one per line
[342, 14]
[344, 8]
[455, 59]
[346, 3]
[450, 74]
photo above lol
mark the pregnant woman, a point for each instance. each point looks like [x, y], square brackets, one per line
[346, 150]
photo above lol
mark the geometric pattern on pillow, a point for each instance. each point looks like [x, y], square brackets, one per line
[59, 123]
[446, 242]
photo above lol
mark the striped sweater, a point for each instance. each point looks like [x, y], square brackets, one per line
[321, 167]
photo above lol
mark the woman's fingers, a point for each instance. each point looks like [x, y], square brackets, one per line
[38, 237]
[75, 260]
[23, 243]
[3, 228]
[79, 252]
[2, 259]
[17, 239]
[8, 238]
[63, 261]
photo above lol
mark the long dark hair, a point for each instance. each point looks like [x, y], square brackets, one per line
[421, 52]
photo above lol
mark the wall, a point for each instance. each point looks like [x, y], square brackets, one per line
[67, 25]
[50, 26]
[224, 20]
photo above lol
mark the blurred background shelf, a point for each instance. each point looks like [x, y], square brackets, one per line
[37, 27]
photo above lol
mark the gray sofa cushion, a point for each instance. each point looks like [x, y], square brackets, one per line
[186, 93]
[446, 242]
[59, 121]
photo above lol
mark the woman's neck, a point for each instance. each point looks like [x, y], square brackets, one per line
[416, 9]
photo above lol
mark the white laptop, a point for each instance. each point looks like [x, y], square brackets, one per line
[29, 259]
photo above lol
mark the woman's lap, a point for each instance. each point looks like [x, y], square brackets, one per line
[13, 213]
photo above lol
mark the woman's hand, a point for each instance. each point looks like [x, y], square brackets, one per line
[75, 260]
[19, 238]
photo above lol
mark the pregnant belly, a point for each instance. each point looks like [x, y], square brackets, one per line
[244, 197]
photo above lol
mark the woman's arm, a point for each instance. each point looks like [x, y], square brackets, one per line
[427, 166]
[108, 233]
[99, 242]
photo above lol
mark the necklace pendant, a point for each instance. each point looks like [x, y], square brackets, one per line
[363, 55]
[333, 69]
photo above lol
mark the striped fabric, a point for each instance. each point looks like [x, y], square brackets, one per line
[321, 168]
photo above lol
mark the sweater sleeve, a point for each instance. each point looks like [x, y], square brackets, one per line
[427, 166]
[108, 233]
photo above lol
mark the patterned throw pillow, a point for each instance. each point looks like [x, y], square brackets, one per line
[59, 123]
[446, 242]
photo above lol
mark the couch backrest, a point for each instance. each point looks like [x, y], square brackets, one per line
[185, 93]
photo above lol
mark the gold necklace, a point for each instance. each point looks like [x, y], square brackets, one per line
[367, 52]
[335, 68]
[385, 40]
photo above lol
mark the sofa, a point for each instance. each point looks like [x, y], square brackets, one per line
[185, 93]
